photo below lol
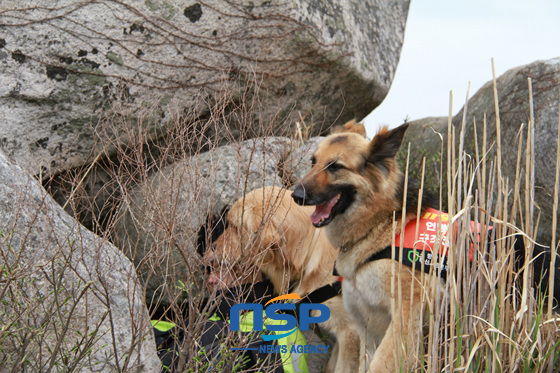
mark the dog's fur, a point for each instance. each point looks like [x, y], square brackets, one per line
[363, 178]
[268, 231]
[357, 189]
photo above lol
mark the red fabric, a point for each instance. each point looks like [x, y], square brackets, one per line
[432, 232]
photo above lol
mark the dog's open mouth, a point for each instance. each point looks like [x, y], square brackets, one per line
[328, 204]
[324, 213]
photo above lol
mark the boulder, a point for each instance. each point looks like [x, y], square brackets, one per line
[297, 163]
[70, 299]
[426, 142]
[71, 70]
[514, 108]
[513, 100]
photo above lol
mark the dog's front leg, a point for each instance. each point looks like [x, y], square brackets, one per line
[348, 358]
[333, 360]
[399, 346]
[364, 358]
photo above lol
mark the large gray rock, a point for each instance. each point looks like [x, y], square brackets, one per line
[63, 65]
[70, 300]
[297, 163]
[513, 99]
[160, 218]
[426, 137]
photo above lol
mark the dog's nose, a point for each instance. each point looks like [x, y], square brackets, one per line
[299, 195]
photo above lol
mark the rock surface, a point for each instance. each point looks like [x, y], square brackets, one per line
[513, 98]
[64, 65]
[425, 141]
[69, 298]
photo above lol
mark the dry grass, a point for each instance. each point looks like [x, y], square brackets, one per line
[490, 318]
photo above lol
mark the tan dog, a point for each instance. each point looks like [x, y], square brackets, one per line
[357, 187]
[268, 231]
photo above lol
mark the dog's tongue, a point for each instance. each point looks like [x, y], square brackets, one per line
[323, 211]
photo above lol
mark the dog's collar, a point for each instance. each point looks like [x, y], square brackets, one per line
[347, 246]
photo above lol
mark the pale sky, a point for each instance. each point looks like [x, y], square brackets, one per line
[449, 43]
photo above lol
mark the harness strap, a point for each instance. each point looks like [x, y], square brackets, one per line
[413, 257]
[323, 294]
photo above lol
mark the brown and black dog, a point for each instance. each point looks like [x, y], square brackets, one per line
[356, 188]
[267, 232]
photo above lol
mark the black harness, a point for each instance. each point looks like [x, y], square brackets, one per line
[323, 294]
[414, 258]
[320, 295]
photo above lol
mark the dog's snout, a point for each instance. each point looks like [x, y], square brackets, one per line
[299, 195]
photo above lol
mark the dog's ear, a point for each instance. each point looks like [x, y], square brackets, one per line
[351, 126]
[211, 230]
[386, 144]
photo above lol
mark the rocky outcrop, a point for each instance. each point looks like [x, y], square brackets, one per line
[513, 99]
[426, 137]
[69, 71]
[70, 299]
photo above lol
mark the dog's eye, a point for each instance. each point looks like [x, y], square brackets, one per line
[313, 161]
[335, 166]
